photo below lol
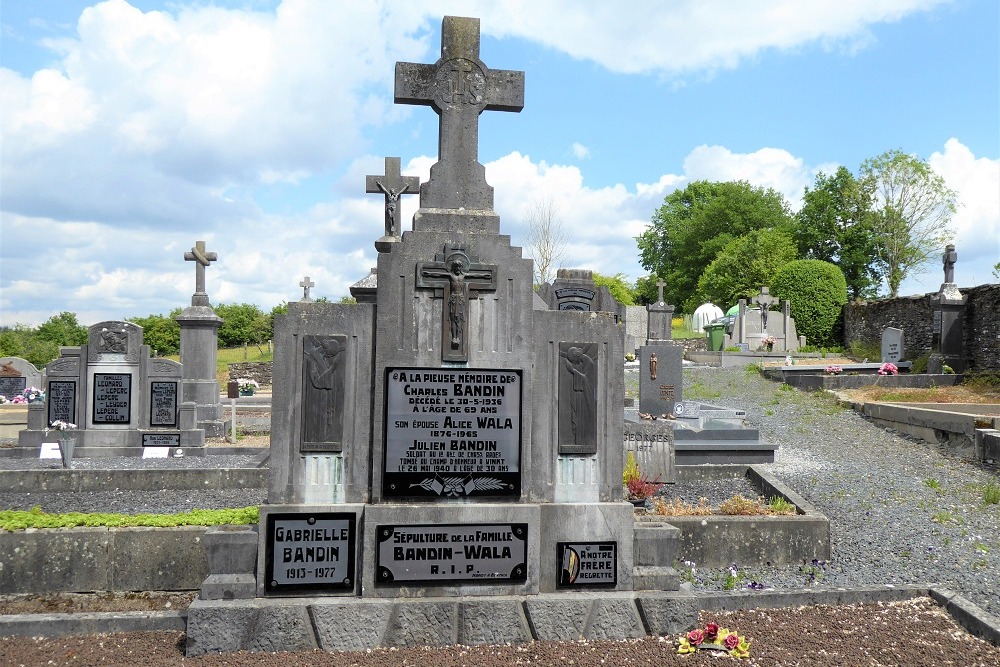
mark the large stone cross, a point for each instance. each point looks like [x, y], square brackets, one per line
[765, 301]
[306, 284]
[460, 279]
[659, 290]
[459, 87]
[392, 184]
[201, 259]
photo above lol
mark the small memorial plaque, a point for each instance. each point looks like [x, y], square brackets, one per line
[50, 450]
[687, 409]
[12, 386]
[156, 453]
[163, 404]
[61, 398]
[161, 439]
[587, 564]
[452, 433]
[449, 554]
[743, 347]
[309, 552]
[112, 398]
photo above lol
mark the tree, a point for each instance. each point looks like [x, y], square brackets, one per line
[619, 287]
[546, 238]
[696, 223]
[63, 329]
[834, 225]
[913, 207]
[743, 267]
[996, 270]
[816, 292]
[160, 332]
[242, 323]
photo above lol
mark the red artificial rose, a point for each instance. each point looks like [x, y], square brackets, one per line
[696, 636]
[732, 641]
[711, 631]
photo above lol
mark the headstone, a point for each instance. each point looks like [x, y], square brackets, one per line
[947, 335]
[575, 289]
[652, 444]
[392, 185]
[306, 285]
[660, 317]
[661, 378]
[16, 375]
[200, 347]
[892, 345]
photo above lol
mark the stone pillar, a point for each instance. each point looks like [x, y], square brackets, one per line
[199, 354]
[740, 328]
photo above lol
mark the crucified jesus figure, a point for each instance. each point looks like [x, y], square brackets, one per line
[391, 198]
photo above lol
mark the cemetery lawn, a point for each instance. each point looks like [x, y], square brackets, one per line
[954, 394]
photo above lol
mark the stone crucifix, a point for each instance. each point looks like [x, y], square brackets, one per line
[765, 301]
[392, 184]
[306, 284]
[659, 290]
[202, 258]
[459, 278]
[458, 87]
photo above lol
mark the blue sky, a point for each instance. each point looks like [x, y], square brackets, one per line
[131, 130]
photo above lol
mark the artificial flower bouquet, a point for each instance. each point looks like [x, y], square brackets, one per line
[714, 638]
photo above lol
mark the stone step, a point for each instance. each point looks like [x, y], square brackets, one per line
[655, 578]
[655, 544]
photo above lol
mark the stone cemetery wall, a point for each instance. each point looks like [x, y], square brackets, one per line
[864, 321]
[261, 371]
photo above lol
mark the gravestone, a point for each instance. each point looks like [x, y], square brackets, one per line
[200, 347]
[752, 326]
[16, 375]
[659, 318]
[120, 398]
[575, 289]
[947, 333]
[468, 441]
[661, 378]
[892, 345]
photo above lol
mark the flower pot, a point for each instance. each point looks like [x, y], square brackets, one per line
[638, 503]
[66, 445]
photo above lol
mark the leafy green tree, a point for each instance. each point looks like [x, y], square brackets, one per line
[745, 265]
[816, 292]
[646, 291]
[242, 323]
[160, 332]
[14, 340]
[834, 225]
[696, 223]
[913, 208]
[996, 270]
[619, 287]
[63, 329]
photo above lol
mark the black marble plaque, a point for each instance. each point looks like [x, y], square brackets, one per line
[163, 404]
[587, 564]
[309, 552]
[161, 439]
[447, 554]
[578, 383]
[452, 433]
[112, 398]
[61, 398]
[323, 381]
[12, 386]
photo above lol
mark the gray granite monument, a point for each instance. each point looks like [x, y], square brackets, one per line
[947, 334]
[661, 378]
[200, 347]
[892, 345]
[659, 317]
[16, 375]
[445, 439]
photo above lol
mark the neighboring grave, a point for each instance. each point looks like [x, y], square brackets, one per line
[200, 347]
[947, 338]
[661, 378]
[16, 375]
[118, 396]
[575, 289]
[751, 326]
[892, 345]
[660, 317]
[443, 437]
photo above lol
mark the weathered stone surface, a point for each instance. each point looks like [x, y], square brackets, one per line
[284, 627]
[219, 627]
[417, 623]
[351, 627]
[493, 622]
[614, 618]
[559, 618]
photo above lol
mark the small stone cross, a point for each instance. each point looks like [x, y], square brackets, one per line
[659, 290]
[459, 87]
[305, 284]
[392, 184]
[459, 278]
[201, 259]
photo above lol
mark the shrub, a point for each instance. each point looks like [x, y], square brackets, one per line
[631, 471]
[817, 292]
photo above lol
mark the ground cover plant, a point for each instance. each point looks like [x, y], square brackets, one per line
[11, 520]
[737, 505]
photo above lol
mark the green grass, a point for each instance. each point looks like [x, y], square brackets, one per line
[234, 355]
[932, 483]
[698, 391]
[991, 493]
[11, 520]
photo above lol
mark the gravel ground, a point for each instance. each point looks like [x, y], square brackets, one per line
[901, 511]
[915, 633]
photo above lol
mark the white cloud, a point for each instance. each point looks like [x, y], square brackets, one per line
[580, 152]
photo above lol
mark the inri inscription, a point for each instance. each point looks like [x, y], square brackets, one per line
[452, 433]
[112, 398]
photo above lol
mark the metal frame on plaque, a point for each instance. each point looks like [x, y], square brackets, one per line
[161, 439]
[128, 398]
[569, 562]
[428, 437]
[346, 583]
[449, 538]
[153, 421]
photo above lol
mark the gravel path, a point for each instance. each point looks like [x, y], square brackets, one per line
[901, 511]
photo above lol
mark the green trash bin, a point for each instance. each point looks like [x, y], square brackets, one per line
[716, 336]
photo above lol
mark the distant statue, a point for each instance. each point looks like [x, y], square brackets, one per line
[949, 258]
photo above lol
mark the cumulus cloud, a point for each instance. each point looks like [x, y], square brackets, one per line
[580, 152]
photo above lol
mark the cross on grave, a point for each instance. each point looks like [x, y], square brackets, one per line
[392, 184]
[459, 87]
[765, 301]
[659, 290]
[460, 279]
[201, 259]
[305, 284]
